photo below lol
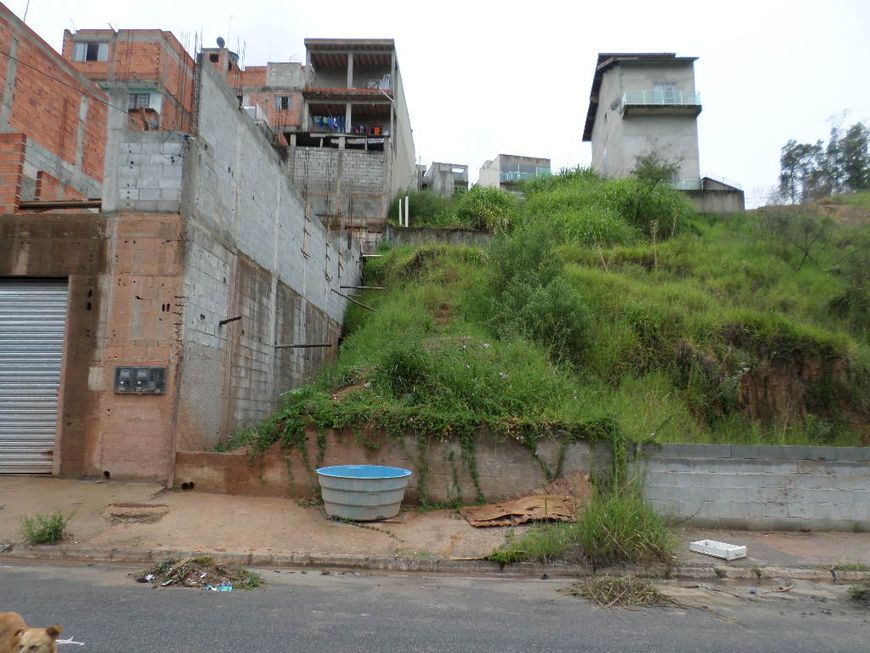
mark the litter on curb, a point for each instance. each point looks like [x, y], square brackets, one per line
[718, 549]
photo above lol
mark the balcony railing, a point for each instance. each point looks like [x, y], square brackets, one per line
[686, 184]
[517, 175]
[661, 98]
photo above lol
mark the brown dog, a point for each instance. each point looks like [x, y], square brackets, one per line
[16, 637]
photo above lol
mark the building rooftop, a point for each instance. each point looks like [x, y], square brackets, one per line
[607, 60]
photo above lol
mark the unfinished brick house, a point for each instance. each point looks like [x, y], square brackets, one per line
[181, 302]
[148, 72]
[52, 122]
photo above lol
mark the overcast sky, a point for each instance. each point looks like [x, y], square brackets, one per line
[485, 77]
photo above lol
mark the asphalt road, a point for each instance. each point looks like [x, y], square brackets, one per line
[342, 613]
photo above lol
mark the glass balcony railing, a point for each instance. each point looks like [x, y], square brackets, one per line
[686, 184]
[661, 98]
[522, 175]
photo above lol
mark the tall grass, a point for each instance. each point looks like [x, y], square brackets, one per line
[583, 319]
[616, 528]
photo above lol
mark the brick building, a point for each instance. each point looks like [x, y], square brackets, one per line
[148, 72]
[52, 122]
[200, 291]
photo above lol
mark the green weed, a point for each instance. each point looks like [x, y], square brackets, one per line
[618, 527]
[44, 529]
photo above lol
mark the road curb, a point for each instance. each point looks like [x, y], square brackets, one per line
[400, 564]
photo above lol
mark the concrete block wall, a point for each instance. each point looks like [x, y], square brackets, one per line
[760, 487]
[149, 171]
[717, 202]
[256, 262]
[350, 187]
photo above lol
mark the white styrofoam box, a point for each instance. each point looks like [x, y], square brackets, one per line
[718, 549]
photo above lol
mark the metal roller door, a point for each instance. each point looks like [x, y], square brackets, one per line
[32, 325]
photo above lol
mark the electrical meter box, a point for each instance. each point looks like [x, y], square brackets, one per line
[140, 380]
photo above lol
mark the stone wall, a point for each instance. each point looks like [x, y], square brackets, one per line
[760, 487]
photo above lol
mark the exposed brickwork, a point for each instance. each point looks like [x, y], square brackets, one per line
[59, 110]
[11, 170]
[49, 187]
[143, 60]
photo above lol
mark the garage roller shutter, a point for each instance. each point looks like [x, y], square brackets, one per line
[32, 325]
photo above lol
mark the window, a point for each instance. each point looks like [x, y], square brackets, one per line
[91, 51]
[666, 91]
[138, 101]
[282, 102]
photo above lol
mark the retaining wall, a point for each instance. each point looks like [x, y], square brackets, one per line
[441, 470]
[425, 235]
[760, 487]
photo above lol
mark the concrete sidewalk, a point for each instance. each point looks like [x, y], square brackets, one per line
[129, 522]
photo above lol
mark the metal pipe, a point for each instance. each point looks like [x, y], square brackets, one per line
[48, 205]
[351, 299]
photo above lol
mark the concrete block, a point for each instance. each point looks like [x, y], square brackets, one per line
[149, 193]
[694, 450]
[754, 451]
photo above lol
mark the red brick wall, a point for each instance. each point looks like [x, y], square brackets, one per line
[47, 99]
[149, 57]
[11, 170]
[49, 187]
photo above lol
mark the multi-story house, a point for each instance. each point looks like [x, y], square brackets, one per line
[341, 119]
[641, 104]
[445, 179]
[646, 104]
[507, 169]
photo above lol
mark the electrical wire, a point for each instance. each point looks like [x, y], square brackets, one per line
[83, 91]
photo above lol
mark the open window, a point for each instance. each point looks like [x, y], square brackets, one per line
[91, 51]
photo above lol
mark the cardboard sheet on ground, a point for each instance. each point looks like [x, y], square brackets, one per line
[538, 507]
[557, 501]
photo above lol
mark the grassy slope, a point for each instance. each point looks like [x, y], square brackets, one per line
[606, 309]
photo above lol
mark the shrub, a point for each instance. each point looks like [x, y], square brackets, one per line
[553, 315]
[486, 208]
[44, 529]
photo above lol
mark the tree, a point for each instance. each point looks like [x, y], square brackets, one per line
[809, 171]
[854, 157]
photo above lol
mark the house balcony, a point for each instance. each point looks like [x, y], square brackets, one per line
[668, 101]
[510, 176]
